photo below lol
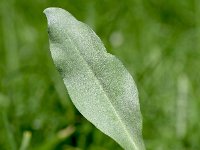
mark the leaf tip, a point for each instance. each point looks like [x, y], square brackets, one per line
[50, 9]
[57, 16]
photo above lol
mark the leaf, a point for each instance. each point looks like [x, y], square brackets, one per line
[97, 82]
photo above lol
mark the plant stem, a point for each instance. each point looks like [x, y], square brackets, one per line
[25, 140]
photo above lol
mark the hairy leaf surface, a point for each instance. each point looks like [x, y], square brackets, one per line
[97, 82]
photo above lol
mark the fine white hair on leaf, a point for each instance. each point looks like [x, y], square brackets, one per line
[99, 85]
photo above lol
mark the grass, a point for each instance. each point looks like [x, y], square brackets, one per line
[158, 43]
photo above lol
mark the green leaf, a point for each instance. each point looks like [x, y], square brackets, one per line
[97, 82]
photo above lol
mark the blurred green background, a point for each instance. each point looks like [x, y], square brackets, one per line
[157, 40]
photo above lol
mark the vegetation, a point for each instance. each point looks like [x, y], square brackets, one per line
[157, 41]
[97, 82]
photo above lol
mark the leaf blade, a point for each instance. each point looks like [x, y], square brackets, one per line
[88, 71]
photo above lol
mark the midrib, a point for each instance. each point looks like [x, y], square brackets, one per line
[107, 97]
